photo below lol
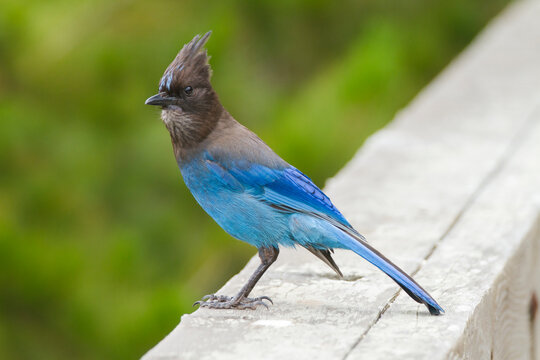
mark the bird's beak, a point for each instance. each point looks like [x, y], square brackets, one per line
[159, 100]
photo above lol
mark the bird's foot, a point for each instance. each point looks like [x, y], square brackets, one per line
[227, 302]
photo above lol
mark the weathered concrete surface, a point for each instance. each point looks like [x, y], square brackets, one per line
[450, 191]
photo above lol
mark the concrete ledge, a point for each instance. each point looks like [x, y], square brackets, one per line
[450, 191]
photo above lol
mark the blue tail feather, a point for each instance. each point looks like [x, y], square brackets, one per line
[411, 287]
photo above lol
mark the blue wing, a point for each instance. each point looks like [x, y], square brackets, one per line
[286, 189]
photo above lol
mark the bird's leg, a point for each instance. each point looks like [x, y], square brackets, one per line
[240, 301]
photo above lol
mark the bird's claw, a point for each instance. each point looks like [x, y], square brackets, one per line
[227, 302]
[260, 298]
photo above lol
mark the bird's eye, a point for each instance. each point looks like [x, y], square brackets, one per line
[188, 90]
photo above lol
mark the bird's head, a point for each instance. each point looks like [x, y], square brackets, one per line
[190, 106]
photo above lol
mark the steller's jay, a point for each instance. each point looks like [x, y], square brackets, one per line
[251, 192]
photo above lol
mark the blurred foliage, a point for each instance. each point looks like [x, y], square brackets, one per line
[102, 248]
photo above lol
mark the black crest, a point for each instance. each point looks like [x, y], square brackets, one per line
[190, 65]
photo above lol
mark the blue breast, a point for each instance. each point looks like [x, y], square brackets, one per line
[233, 207]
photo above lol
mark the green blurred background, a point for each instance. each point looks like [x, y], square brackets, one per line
[102, 248]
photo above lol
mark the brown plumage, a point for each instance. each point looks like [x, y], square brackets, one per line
[193, 108]
[190, 66]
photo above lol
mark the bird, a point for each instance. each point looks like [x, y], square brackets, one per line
[251, 192]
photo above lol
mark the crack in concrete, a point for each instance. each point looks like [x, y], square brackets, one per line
[508, 153]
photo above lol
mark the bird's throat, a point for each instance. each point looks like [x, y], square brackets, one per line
[187, 130]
